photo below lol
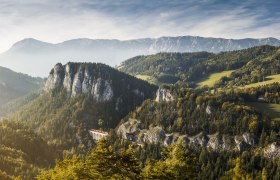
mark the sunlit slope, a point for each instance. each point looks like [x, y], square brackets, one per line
[268, 80]
[212, 79]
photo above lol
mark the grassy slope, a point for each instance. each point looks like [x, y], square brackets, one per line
[273, 110]
[268, 80]
[213, 78]
[148, 78]
[143, 77]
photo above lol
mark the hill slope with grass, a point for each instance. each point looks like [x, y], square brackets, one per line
[193, 69]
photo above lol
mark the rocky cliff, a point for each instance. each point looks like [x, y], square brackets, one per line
[272, 150]
[78, 97]
[131, 130]
[163, 95]
[98, 80]
[76, 80]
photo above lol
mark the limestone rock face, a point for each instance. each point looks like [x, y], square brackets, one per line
[208, 110]
[77, 82]
[55, 78]
[175, 138]
[199, 140]
[214, 143]
[131, 127]
[102, 91]
[249, 138]
[67, 83]
[154, 135]
[87, 83]
[131, 130]
[168, 139]
[272, 150]
[77, 79]
[164, 95]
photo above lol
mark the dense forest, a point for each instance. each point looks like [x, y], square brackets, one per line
[230, 115]
[175, 162]
[23, 153]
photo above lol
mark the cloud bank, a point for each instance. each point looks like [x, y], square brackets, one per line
[57, 20]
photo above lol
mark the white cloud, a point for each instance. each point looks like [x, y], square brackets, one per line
[56, 21]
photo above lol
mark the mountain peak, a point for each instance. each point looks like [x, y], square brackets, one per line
[29, 44]
[28, 41]
[99, 80]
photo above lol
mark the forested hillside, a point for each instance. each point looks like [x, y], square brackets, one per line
[231, 138]
[79, 97]
[198, 134]
[184, 130]
[22, 153]
[186, 69]
[14, 85]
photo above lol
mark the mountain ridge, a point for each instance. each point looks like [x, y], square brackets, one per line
[28, 53]
[14, 85]
[79, 97]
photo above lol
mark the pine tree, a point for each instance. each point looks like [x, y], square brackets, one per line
[264, 174]
[178, 163]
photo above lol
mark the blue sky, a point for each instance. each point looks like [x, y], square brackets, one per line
[58, 20]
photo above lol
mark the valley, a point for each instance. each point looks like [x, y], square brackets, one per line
[203, 106]
[140, 90]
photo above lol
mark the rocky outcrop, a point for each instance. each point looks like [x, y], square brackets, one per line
[67, 82]
[55, 78]
[77, 82]
[79, 79]
[214, 142]
[244, 142]
[154, 135]
[132, 126]
[164, 95]
[272, 150]
[102, 91]
[249, 138]
[209, 110]
[131, 130]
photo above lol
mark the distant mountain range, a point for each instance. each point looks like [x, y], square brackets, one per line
[36, 57]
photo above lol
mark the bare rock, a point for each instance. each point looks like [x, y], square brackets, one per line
[155, 135]
[55, 78]
[132, 126]
[272, 150]
[163, 95]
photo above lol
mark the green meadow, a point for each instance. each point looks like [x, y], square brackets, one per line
[213, 78]
[268, 80]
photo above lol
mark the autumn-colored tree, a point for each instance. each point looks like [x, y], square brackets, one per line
[178, 163]
[101, 163]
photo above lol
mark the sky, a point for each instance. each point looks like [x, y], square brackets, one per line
[59, 20]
